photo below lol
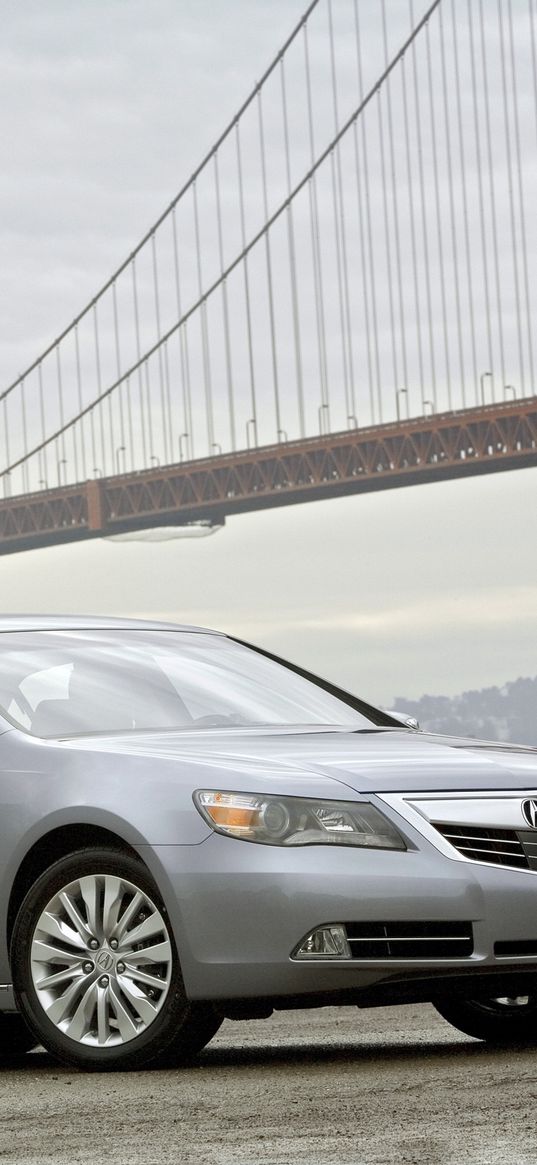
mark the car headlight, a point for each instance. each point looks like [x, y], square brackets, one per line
[296, 820]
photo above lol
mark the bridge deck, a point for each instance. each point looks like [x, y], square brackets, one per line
[423, 449]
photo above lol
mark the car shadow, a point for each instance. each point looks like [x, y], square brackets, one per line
[264, 1055]
[292, 1055]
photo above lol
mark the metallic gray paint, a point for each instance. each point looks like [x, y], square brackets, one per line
[238, 909]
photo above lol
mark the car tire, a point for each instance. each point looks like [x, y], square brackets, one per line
[15, 1036]
[202, 1024]
[95, 966]
[505, 1020]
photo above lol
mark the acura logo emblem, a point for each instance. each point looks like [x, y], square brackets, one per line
[529, 810]
[105, 961]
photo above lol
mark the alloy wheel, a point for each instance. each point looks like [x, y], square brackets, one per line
[101, 960]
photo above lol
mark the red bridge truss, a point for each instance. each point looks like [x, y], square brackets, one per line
[424, 449]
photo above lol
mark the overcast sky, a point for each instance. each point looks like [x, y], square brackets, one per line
[105, 109]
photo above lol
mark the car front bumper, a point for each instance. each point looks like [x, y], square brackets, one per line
[239, 910]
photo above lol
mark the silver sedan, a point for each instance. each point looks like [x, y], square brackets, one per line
[192, 829]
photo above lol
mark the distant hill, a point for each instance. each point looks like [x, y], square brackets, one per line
[508, 713]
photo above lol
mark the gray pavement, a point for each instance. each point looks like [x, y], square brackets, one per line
[390, 1086]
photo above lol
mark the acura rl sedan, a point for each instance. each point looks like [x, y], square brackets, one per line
[193, 829]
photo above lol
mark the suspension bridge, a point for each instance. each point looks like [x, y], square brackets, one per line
[340, 298]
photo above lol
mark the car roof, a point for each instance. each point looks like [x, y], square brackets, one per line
[91, 623]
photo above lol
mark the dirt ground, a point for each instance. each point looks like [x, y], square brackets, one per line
[329, 1087]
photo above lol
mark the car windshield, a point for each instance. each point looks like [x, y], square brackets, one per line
[70, 683]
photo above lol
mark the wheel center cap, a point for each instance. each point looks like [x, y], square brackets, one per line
[105, 961]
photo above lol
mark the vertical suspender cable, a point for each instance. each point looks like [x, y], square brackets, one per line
[147, 376]
[6, 475]
[139, 365]
[494, 217]
[292, 259]
[204, 330]
[344, 246]
[43, 452]
[372, 275]
[25, 480]
[253, 418]
[129, 415]
[6, 432]
[413, 246]
[163, 410]
[225, 308]
[74, 437]
[533, 61]
[510, 188]
[424, 231]
[169, 415]
[363, 268]
[93, 440]
[118, 366]
[454, 248]
[350, 355]
[206, 353]
[317, 263]
[521, 206]
[484, 249]
[190, 441]
[75, 428]
[80, 404]
[60, 395]
[183, 353]
[99, 384]
[442, 272]
[61, 408]
[339, 220]
[395, 204]
[166, 366]
[387, 241]
[268, 260]
[462, 160]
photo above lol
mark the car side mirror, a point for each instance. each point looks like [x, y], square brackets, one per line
[404, 718]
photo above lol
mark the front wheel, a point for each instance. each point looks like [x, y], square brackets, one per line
[501, 1020]
[95, 966]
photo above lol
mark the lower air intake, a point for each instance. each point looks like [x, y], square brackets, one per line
[518, 949]
[410, 940]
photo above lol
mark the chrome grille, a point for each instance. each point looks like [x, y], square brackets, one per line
[516, 848]
[410, 940]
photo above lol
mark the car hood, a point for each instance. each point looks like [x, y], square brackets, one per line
[374, 761]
